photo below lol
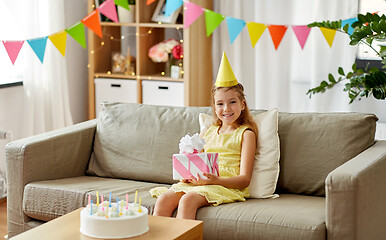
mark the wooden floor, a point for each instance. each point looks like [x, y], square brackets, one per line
[3, 217]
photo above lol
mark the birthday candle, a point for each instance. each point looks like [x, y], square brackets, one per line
[102, 199]
[89, 199]
[110, 200]
[139, 206]
[136, 193]
[117, 205]
[127, 201]
[107, 212]
[97, 198]
[91, 208]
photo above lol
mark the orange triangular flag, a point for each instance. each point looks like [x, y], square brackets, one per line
[92, 21]
[277, 32]
[329, 35]
[255, 31]
[59, 40]
[149, 2]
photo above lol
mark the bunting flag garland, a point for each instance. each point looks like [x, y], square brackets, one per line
[148, 2]
[108, 9]
[277, 32]
[59, 40]
[212, 21]
[192, 12]
[76, 31]
[255, 31]
[122, 3]
[92, 21]
[38, 45]
[329, 34]
[301, 33]
[234, 27]
[172, 5]
[13, 49]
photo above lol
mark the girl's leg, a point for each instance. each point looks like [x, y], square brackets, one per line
[189, 204]
[166, 203]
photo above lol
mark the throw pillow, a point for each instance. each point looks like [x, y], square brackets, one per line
[266, 168]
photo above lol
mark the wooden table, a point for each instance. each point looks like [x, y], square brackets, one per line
[67, 227]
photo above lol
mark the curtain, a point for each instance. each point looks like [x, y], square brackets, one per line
[45, 86]
[46, 104]
[280, 78]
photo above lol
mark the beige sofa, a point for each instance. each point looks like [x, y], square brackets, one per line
[332, 181]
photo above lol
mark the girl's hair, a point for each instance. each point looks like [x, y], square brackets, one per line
[245, 117]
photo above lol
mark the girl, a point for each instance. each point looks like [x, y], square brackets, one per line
[233, 136]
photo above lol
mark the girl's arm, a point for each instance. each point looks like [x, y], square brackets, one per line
[248, 148]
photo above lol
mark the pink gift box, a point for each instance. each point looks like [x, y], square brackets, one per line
[191, 164]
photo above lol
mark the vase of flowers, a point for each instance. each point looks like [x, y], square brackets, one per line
[169, 51]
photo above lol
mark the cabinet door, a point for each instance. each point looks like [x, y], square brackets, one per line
[114, 90]
[163, 93]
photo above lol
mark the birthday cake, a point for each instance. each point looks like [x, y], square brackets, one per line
[113, 220]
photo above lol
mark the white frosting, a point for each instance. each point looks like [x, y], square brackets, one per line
[108, 223]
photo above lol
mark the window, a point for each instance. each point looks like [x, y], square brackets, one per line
[10, 75]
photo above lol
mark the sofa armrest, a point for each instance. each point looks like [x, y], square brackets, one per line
[57, 154]
[355, 196]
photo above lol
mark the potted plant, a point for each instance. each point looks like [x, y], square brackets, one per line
[127, 15]
[360, 82]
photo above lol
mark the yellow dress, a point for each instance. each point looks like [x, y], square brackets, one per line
[229, 148]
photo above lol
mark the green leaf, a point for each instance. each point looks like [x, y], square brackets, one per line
[341, 72]
[314, 24]
[375, 27]
[354, 67]
[324, 83]
[331, 78]
[354, 42]
[350, 75]
[374, 70]
[345, 28]
[370, 40]
[382, 25]
[360, 71]
[362, 18]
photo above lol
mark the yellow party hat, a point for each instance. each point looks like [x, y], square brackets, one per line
[225, 75]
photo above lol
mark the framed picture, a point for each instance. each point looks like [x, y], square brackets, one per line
[159, 13]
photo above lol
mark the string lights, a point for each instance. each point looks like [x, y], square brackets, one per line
[125, 36]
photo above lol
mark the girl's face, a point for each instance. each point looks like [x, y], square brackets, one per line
[228, 105]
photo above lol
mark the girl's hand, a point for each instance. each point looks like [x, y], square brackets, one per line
[210, 180]
[185, 181]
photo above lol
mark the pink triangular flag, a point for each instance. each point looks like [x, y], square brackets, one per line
[13, 49]
[301, 33]
[192, 12]
[107, 8]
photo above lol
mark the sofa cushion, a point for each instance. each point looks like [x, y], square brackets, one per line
[287, 217]
[46, 200]
[137, 141]
[314, 144]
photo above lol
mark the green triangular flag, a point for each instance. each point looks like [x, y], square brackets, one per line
[122, 3]
[212, 20]
[76, 31]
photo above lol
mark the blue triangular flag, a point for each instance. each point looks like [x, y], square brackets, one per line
[349, 22]
[234, 27]
[39, 46]
[172, 5]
